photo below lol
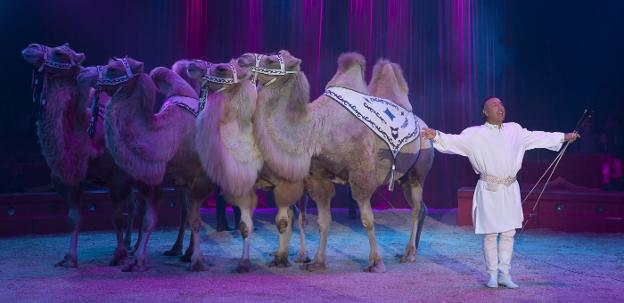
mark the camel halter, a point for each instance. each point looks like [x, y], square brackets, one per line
[104, 81]
[257, 69]
[39, 82]
[48, 61]
[220, 80]
[95, 106]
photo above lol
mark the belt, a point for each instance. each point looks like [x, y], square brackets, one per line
[498, 180]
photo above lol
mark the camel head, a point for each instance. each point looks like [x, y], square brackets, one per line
[180, 67]
[272, 68]
[350, 72]
[119, 73]
[197, 69]
[223, 76]
[388, 82]
[59, 61]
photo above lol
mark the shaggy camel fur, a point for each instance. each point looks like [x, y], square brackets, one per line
[388, 82]
[281, 126]
[227, 148]
[343, 147]
[147, 145]
[73, 156]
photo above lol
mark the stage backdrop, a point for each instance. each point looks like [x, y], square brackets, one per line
[546, 60]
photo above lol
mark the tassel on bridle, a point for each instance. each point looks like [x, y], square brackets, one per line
[95, 112]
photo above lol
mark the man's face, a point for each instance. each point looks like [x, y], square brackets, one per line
[494, 111]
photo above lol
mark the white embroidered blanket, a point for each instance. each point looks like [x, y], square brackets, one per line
[391, 122]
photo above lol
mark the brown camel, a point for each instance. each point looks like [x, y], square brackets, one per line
[73, 156]
[344, 148]
[148, 145]
[388, 82]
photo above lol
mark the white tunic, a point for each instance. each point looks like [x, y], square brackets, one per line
[496, 152]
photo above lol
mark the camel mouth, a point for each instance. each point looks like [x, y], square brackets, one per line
[32, 56]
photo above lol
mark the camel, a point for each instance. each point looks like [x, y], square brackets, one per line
[227, 149]
[388, 82]
[75, 157]
[319, 138]
[148, 145]
[279, 125]
[193, 72]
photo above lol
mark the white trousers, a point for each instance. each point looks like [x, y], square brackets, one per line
[498, 252]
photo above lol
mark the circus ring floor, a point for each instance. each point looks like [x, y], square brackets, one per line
[549, 266]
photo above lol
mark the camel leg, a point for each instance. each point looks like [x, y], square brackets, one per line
[140, 218]
[413, 194]
[153, 195]
[72, 195]
[177, 247]
[247, 204]
[195, 223]
[413, 191]
[132, 206]
[120, 191]
[302, 256]
[321, 191]
[285, 195]
[375, 262]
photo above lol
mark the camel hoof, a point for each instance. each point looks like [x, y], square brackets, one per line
[303, 258]
[377, 267]
[244, 266]
[407, 258]
[315, 266]
[186, 258]
[68, 262]
[174, 251]
[128, 244]
[135, 249]
[280, 261]
[134, 266]
[198, 266]
[119, 257]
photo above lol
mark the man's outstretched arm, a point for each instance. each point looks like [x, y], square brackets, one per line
[446, 143]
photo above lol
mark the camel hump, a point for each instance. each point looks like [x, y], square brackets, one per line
[348, 59]
[171, 84]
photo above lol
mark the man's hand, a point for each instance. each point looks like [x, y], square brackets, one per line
[571, 137]
[428, 133]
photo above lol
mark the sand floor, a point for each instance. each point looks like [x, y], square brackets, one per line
[549, 266]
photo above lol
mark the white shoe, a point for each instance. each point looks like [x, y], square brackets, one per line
[505, 280]
[492, 282]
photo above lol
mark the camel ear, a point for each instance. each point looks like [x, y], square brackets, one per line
[194, 71]
[80, 57]
[138, 68]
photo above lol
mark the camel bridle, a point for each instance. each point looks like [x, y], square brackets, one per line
[50, 62]
[103, 80]
[275, 72]
[39, 82]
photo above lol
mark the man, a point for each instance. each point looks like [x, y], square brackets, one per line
[495, 150]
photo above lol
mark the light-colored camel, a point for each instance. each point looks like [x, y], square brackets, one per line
[343, 147]
[73, 156]
[225, 143]
[148, 145]
[388, 82]
[281, 127]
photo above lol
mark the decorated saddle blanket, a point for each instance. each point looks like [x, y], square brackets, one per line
[389, 121]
